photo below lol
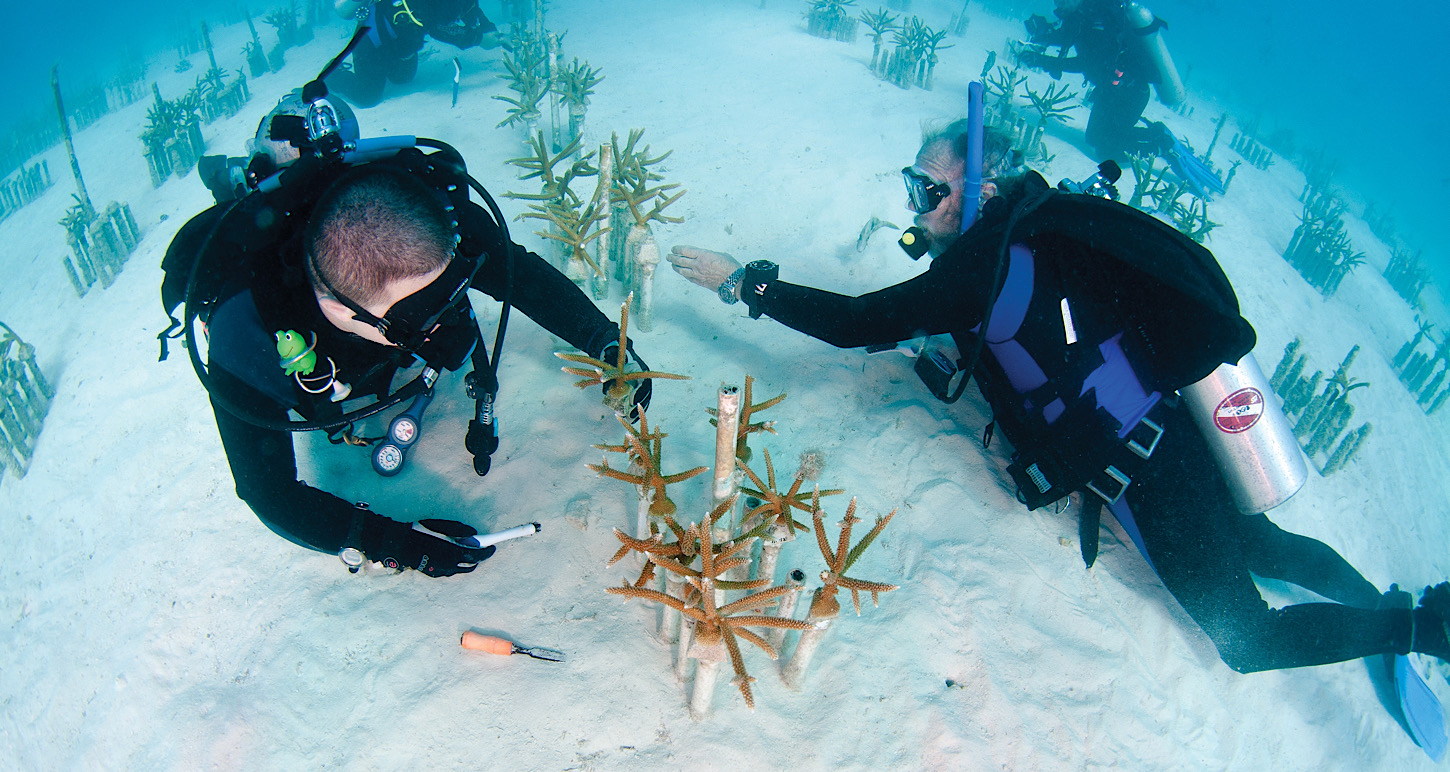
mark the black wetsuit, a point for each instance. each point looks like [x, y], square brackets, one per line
[389, 52]
[1118, 69]
[244, 368]
[1202, 547]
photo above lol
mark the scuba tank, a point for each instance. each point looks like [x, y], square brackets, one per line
[1146, 30]
[1248, 434]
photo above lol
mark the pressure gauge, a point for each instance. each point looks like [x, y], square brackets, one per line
[404, 431]
[387, 459]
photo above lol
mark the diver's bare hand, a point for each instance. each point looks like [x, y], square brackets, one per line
[702, 266]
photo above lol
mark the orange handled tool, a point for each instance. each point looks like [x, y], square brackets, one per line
[493, 645]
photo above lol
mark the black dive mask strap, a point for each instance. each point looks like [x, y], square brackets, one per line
[412, 318]
[358, 312]
[408, 322]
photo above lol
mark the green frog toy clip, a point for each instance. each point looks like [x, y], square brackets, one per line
[297, 358]
[296, 355]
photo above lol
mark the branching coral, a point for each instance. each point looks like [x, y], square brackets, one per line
[576, 224]
[541, 165]
[616, 375]
[524, 64]
[879, 23]
[840, 560]
[775, 506]
[643, 448]
[1051, 104]
[718, 624]
[633, 180]
[575, 82]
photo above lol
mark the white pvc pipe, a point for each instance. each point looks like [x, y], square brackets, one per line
[727, 429]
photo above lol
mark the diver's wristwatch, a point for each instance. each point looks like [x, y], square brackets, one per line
[758, 275]
[728, 287]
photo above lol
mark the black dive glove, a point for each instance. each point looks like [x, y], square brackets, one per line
[424, 546]
[467, 31]
[643, 389]
[1036, 60]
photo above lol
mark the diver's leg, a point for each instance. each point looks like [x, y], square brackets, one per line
[1275, 553]
[1115, 111]
[1191, 528]
[362, 85]
[403, 69]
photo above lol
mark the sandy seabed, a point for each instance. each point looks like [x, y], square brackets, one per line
[152, 622]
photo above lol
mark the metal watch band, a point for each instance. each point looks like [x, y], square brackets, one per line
[727, 287]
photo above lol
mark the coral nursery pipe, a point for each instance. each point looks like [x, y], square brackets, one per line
[727, 429]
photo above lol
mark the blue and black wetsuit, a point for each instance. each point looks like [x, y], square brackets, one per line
[1204, 550]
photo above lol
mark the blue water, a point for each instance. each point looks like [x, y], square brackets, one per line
[1365, 83]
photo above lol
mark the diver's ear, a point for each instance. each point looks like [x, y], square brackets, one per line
[334, 310]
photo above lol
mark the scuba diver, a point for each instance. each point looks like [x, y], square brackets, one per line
[1095, 315]
[329, 265]
[1120, 52]
[397, 28]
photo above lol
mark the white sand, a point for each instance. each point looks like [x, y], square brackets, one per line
[154, 623]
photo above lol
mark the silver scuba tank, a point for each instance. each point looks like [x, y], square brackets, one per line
[1251, 439]
[1169, 87]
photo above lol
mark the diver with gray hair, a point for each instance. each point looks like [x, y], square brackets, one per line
[1081, 319]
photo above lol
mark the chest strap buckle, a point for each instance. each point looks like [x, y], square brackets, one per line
[1144, 437]
[1110, 485]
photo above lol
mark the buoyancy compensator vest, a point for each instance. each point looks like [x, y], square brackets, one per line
[1100, 311]
[253, 240]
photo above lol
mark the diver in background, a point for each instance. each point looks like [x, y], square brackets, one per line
[389, 52]
[1085, 393]
[1120, 52]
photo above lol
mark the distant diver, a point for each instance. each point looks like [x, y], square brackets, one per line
[1120, 51]
[396, 30]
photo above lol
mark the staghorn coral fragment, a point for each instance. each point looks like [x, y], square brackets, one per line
[839, 560]
[644, 449]
[619, 391]
[775, 506]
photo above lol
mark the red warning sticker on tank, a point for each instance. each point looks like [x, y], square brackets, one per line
[1239, 411]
